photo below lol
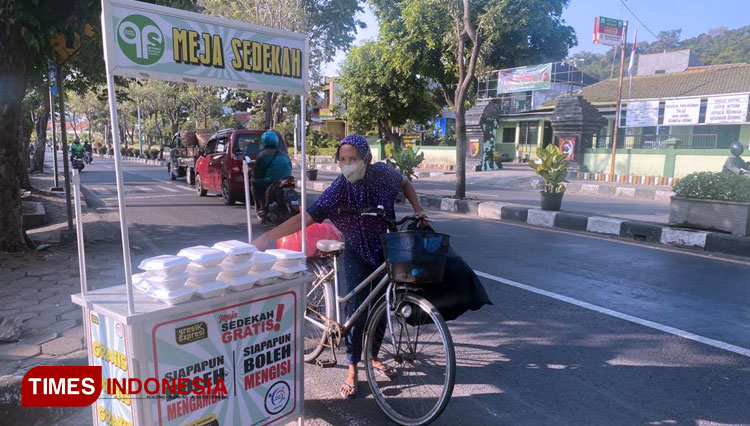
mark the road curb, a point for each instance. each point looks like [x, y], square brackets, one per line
[10, 397]
[617, 228]
[134, 160]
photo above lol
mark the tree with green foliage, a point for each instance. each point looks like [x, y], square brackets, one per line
[330, 25]
[447, 41]
[25, 31]
[376, 92]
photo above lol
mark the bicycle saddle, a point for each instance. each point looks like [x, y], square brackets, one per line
[329, 246]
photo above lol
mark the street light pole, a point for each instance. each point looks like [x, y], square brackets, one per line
[54, 141]
[64, 139]
[619, 102]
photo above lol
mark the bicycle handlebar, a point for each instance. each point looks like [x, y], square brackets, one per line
[379, 212]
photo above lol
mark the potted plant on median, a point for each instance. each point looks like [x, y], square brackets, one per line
[552, 168]
[311, 150]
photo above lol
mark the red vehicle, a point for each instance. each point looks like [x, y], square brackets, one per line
[218, 168]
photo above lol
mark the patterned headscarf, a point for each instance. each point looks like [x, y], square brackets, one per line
[359, 142]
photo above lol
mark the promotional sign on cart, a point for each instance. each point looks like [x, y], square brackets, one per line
[251, 346]
[108, 348]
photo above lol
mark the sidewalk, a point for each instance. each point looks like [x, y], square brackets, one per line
[40, 324]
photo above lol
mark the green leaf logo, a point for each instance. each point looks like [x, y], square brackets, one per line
[140, 39]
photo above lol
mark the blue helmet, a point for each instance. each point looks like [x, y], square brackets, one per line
[269, 138]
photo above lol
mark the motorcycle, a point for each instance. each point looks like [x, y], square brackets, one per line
[88, 157]
[282, 202]
[77, 163]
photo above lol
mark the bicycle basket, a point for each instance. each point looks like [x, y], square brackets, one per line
[415, 257]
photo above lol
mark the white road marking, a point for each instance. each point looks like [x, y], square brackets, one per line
[661, 327]
[186, 188]
[166, 188]
[129, 198]
[145, 188]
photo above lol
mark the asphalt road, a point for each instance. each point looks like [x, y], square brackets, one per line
[584, 330]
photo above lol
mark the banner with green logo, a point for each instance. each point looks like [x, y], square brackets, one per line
[148, 41]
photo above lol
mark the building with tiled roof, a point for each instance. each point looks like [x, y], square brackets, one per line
[672, 123]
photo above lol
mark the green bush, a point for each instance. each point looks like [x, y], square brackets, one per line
[154, 153]
[720, 186]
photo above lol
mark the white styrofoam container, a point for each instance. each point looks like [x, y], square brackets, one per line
[235, 269]
[290, 272]
[172, 297]
[262, 261]
[234, 247]
[140, 283]
[209, 289]
[287, 257]
[164, 265]
[203, 255]
[171, 282]
[243, 282]
[238, 258]
[200, 274]
[268, 277]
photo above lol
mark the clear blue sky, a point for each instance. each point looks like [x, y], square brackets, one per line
[692, 16]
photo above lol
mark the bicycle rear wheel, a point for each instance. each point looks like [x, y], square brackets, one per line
[423, 357]
[319, 305]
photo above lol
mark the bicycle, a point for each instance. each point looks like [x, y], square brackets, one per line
[403, 330]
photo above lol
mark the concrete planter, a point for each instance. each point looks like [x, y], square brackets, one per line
[724, 216]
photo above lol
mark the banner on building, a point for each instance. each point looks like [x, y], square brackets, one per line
[727, 109]
[155, 42]
[608, 31]
[524, 79]
[682, 112]
[642, 114]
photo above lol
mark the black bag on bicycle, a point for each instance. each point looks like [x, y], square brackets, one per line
[460, 289]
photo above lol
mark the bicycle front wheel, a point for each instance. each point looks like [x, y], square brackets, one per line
[418, 346]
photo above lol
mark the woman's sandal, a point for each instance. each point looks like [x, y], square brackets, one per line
[386, 371]
[348, 391]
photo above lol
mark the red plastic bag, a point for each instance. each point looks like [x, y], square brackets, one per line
[315, 233]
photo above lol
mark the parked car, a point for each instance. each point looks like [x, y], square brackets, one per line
[218, 168]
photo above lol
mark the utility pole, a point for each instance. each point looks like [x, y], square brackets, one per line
[619, 102]
[64, 139]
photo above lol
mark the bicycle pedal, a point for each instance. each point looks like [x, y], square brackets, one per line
[326, 363]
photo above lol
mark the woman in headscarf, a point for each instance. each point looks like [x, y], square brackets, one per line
[360, 185]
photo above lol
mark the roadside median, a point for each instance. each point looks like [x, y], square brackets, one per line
[647, 232]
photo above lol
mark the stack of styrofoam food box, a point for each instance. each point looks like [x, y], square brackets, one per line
[164, 279]
[262, 264]
[203, 270]
[235, 267]
[291, 264]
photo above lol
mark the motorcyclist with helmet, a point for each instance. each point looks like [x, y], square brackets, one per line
[76, 152]
[271, 165]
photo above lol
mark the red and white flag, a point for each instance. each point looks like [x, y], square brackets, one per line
[632, 55]
[632, 63]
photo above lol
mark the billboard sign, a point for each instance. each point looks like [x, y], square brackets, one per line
[148, 41]
[608, 31]
[727, 109]
[642, 114]
[524, 79]
[682, 112]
